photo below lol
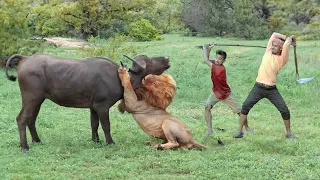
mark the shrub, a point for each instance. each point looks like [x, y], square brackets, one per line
[143, 30]
[113, 48]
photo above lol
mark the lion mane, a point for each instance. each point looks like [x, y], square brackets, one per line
[156, 90]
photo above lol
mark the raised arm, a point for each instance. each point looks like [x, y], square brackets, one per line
[285, 50]
[206, 54]
[273, 36]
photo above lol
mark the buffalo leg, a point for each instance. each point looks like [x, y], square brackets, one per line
[105, 123]
[32, 125]
[27, 117]
[103, 112]
[22, 125]
[94, 118]
[32, 97]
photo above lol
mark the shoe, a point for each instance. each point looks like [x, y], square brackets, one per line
[238, 135]
[290, 136]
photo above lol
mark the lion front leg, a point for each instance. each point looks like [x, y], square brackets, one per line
[130, 97]
[124, 77]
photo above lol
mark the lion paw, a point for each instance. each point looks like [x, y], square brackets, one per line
[152, 144]
[123, 73]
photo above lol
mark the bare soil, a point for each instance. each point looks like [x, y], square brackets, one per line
[66, 42]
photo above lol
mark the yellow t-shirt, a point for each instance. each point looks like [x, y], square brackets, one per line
[271, 64]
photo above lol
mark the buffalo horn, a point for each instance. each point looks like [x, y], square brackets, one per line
[133, 60]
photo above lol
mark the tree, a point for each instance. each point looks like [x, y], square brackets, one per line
[165, 15]
[302, 11]
[298, 11]
[249, 23]
[45, 18]
[209, 17]
[14, 32]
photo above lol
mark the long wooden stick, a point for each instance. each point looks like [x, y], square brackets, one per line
[296, 61]
[200, 47]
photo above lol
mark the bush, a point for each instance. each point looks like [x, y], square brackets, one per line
[143, 30]
[113, 48]
[261, 32]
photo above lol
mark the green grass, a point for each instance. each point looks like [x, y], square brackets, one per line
[66, 151]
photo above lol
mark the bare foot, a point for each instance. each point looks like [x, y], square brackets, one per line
[209, 132]
[249, 130]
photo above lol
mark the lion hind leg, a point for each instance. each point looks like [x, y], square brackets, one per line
[152, 144]
[169, 145]
[171, 139]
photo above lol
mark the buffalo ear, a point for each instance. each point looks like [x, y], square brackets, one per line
[142, 64]
[138, 67]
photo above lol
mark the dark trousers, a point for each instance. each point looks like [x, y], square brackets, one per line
[260, 91]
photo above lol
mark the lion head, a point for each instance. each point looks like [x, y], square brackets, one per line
[157, 90]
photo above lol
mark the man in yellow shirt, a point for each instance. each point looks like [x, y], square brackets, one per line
[275, 57]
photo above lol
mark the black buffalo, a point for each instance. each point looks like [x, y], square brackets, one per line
[89, 83]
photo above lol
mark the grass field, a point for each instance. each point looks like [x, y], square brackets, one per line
[66, 151]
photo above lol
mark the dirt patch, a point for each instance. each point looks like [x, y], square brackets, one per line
[66, 42]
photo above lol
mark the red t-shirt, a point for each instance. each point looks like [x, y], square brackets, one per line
[219, 81]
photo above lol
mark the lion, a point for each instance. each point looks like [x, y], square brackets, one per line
[148, 107]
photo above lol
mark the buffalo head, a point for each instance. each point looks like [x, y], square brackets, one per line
[143, 65]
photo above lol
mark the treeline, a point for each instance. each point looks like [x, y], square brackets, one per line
[145, 20]
[253, 19]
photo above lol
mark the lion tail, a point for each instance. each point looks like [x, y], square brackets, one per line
[198, 145]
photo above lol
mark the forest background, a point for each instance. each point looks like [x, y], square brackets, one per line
[23, 23]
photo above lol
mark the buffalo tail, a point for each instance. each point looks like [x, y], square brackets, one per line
[20, 57]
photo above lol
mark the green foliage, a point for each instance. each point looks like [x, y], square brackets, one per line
[277, 20]
[250, 19]
[165, 15]
[88, 17]
[143, 30]
[303, 32]
[14, 32]
[44, 19]
[248, 25]
[113, 48]
[217, 18]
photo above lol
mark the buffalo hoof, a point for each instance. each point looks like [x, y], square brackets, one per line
[96, 141]
[109, 143]
[24, 150]
[36, 141]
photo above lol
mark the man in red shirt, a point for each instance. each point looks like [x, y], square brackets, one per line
[221, 90]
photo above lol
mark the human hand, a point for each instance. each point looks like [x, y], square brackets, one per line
[211, 45]
[293, 40]
[205, 46]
